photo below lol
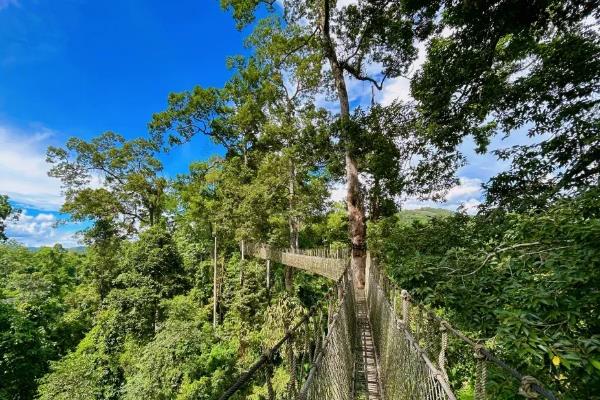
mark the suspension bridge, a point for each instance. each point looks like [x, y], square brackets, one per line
[373, 343]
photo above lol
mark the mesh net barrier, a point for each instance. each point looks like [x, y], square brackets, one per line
[332, 373]
[423, 357]
[324, 262]
[405, 370]
[315, 356]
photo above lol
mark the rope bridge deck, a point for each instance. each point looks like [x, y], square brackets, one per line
[371, 343]
[367, 385]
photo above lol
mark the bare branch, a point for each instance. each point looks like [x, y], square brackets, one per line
[356, 74]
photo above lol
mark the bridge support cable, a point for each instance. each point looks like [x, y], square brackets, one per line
[410, 335]
[397, 347]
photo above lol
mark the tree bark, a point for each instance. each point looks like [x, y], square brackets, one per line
[375, 203]
[356, 213]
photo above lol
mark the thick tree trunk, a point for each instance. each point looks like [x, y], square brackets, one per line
[356, 213]
[375, 203]
[356, 219]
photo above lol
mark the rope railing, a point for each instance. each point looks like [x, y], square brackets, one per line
[406, 371]
[314, 353]
[326, 262]
[331, 375]
[395, 316]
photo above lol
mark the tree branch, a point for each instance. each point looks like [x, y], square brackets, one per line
[356, 74]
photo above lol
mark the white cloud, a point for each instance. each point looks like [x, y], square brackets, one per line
[399, 88]
[466, 195]
[338, 192]
[592, 22]
[23, 169]
[40, 230]
[41, 224]
[467, 187]
[471, 205]
[361, 92]
[396, 88]
[344, 3]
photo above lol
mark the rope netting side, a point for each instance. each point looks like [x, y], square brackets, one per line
[316, 353]
[332, 373]
[438, 342]
[329, 263]
[405, 370]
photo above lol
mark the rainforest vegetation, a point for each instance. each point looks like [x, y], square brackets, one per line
[131, 316]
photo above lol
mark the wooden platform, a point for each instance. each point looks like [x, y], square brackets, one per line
[366, 376]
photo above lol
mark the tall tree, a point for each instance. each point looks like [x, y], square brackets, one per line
[262, 117]
[294, 139]
[352, 41]
[114, 182]
[516, 68]
[398, 160]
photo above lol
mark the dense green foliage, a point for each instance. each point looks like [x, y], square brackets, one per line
[132, 192]
[152, 334]
[45, 310]
[516, 68]
[134, 316]
[527, 282]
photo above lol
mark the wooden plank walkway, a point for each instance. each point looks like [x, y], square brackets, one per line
[366, 376]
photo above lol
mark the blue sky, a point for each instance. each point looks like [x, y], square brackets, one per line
[79, 68]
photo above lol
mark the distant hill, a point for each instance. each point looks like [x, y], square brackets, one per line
[422, 214]
[77, 249]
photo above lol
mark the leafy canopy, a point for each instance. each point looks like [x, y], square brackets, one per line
[516, 68]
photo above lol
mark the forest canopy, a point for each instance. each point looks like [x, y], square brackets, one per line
[162, 303]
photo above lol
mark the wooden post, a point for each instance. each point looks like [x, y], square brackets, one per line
[215, 295]
[405, 309]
